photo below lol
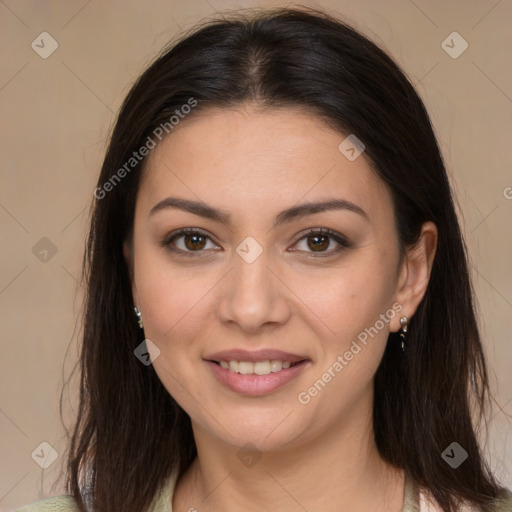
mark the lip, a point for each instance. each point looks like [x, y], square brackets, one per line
[255, 385]
[254, 356]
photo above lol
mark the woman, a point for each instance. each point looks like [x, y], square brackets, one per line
[274, 209]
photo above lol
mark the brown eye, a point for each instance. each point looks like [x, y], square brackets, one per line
[322, 242]
[189, 242]
[318, 243]
[194, 242]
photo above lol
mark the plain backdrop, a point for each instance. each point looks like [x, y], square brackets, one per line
[56, 113]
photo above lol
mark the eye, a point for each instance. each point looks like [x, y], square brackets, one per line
[318, 241]
[188, 241]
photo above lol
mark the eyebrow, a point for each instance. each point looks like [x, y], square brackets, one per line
[216, 214]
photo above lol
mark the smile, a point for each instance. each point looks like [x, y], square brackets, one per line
[256, 377]
[255, 368]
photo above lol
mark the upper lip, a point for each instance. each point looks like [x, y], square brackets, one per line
[254, 356]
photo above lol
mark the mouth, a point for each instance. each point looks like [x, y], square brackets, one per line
[257, 367]
[255, 373]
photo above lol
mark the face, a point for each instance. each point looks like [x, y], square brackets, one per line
[258, 246]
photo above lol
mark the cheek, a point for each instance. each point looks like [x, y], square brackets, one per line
[173, 299]
[357, 308]
[350, 299]
[175, 307]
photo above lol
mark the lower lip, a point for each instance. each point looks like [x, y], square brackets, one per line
[255, 385]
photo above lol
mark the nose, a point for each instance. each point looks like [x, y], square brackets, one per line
[252, 297]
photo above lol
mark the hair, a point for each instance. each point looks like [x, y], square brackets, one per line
[130, 434]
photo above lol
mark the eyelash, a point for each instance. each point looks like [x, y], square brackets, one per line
[340, 239]
[342, 242]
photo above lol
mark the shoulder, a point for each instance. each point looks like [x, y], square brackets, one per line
[56, 504]
[163, 500]
[504, 502]
[161, 503]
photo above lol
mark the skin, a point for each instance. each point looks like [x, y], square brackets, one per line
[253, 164]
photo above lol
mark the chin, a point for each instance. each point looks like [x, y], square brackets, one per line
[273, 431]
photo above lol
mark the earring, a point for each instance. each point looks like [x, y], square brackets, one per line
[139, 317]
[404, 322]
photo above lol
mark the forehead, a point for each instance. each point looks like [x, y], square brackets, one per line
[248, 157]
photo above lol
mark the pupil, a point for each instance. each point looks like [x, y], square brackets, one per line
[319, 242]
[194, 241]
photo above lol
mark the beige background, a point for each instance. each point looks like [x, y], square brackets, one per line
[56, 113]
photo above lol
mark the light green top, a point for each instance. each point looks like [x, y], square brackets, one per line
[163, 501]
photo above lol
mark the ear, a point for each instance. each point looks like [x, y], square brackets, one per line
[128, 257]
[414, 273]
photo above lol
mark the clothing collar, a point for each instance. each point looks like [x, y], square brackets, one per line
[163, 502]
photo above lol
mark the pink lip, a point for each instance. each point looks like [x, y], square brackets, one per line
[255, 385]
[258, 355]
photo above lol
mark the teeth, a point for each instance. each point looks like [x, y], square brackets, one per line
[245, 368]
[258, 368]
[276, 366]
[262, 367]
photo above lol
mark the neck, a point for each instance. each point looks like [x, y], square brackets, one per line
[339, 471]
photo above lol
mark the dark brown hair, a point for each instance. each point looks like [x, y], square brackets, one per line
[130, 433]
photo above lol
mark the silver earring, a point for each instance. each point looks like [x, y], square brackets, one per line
[139, 316]
[404, 322]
